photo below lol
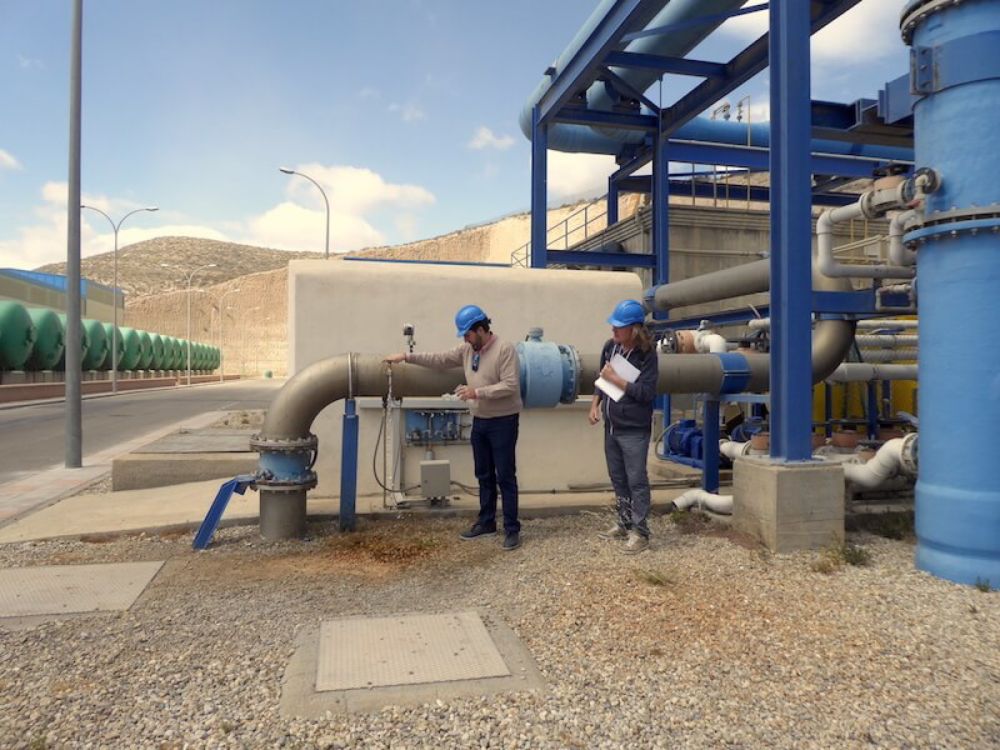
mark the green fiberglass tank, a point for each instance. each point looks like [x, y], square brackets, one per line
[17, 335]
[169, 363]
[145, 350]
[49, 339]
[84, 342]
[98, 344]
[157, 342]
[131, 349]
[178, 354]
[109, 330]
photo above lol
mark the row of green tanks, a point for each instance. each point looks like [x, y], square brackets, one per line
[34, 338]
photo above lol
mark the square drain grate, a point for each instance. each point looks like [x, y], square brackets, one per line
[66, 589]
[366, 652]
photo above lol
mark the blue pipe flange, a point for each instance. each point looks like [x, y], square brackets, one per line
[952, 229]
[550, 373]
[735, 372]
[286, 465]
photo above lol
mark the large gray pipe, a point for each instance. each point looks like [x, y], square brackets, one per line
[748, 278]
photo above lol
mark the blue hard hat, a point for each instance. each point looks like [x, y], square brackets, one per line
[627, 313]
[467, 317]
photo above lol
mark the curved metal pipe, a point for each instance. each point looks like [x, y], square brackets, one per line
[306, 394]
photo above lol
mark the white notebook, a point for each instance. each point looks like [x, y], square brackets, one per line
[626, 370]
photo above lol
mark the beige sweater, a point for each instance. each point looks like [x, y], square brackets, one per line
[497, 380]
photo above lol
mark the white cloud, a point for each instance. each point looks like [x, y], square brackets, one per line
[486, 138]
[296, 223]
[300, 222]
[573, 175]
[7, 160]
[27, 63]
[369, 92]
[408, 112]
[869, 31]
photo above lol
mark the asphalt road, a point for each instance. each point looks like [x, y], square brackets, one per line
[32, 438]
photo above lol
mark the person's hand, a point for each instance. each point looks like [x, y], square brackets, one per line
[466, 393]
[595, 413]
[395, 359]
[609, 374]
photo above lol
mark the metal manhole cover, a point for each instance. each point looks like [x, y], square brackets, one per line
[65, 589]
[371, 652]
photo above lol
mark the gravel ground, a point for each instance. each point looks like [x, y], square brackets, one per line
[705, 641]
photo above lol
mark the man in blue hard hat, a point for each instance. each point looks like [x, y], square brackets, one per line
[493, 390]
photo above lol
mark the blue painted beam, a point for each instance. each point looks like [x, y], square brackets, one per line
[600, 258]
[758, 159]
[624, 87]
[726, 318]
[675, 65]
[582, 70]
[539, 191]
[705, 189]
[791, 230]
[744, 66]
[580, 116]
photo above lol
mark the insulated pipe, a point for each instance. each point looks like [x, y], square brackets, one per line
[895, 456]
[886, 340]
[747, 278]
[874, 356]
[722, 504]
[869, 205]
[888, 323]
[863, 372]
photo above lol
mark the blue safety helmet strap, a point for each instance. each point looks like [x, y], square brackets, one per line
[627, 313]
[467, 317]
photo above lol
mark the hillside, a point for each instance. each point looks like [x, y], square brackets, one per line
[140, 272]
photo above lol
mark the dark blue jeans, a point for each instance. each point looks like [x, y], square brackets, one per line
[626, 452]
[493, 444]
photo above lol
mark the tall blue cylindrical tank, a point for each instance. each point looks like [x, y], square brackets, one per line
[957, 73]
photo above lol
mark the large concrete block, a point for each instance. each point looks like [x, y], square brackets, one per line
[789, 506]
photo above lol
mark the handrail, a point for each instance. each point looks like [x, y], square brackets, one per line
[519, 258]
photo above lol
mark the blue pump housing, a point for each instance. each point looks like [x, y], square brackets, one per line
[550, 373]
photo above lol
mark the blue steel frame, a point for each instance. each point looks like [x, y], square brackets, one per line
[795, 121]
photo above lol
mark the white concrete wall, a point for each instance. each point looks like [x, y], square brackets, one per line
[361, 307]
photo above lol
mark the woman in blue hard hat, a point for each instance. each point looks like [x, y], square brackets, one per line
[629, 369]
[493, 390]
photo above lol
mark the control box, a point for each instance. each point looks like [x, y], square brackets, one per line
[435, 479]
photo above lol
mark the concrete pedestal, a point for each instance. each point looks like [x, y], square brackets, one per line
[15, 377]
[789, 506]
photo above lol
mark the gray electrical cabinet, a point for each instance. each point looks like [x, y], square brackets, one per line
[435, 478]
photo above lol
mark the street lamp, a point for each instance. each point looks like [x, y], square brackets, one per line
[286, 170]
[190, 278]
[222, 341]
[114, 287]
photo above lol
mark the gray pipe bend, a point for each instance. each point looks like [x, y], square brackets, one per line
[347, 375]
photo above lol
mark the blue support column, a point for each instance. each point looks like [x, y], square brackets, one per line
[539, 191]
[661, 241]
[873, 413]
[349, 467]
[791, 231]
[612, 200]
[710, 446]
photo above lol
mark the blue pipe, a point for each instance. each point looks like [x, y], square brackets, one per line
[958, 501]
[349, 467]
[604, 140]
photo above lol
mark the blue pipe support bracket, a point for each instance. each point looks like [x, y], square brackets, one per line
[735, 373]
[955, 125]
[349, 467]
[550, 373]
[285, 465]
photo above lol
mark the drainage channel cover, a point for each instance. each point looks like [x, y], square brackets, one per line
[365, 652]
[65, 589]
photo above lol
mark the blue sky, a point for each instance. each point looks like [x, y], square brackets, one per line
[405, 110]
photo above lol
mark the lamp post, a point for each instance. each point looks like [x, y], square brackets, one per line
[222, 328]
[286, 170]
[114, 287]
[190, 278]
